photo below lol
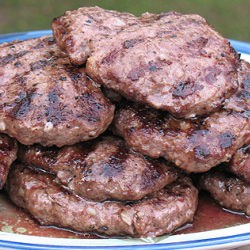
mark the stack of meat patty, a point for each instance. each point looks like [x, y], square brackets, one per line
[177, 102]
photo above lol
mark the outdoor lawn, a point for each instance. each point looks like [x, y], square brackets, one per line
[229, 17]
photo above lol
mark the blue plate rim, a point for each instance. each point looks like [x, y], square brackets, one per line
[234, 240]
[240, 47]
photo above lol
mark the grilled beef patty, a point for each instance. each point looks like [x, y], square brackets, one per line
[240, 163]
[160, 213]
[44, 99]
[229, 191]
[76, 31]
[101, 169]
[168, 61]
[194, 145]
[8, 151]
[19, 57]
[240, 101]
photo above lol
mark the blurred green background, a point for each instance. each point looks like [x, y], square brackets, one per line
[230, 17]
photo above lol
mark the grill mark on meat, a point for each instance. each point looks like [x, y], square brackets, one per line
[56, 111]
[154, 122]
[163, 33]
[131, 43]
[136, 73]
[202, 152]
[156, 171]
[12, 57]
[91, 115]
[86, 171]
[246, 82]
[77, 162]
[74, 75]
[115, 164]
[196, 135]
[22, 105]
[198, 43]
[226, 139]
[244, 94]
[17, 64]
[49, 158]
[49, 154]
[212, 74]
[184, 89]
[152, 66]
[39, 64]
[78, 169]
[246, 114]
[22, 79]
[46, 41]
[155, 65]
[110, 58]
[87, 100]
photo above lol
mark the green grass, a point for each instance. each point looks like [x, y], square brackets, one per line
[230, 17]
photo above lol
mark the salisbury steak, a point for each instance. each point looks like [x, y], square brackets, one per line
[101, 169]
[8, 151]
[49, 102]
[228, 190]
[50, 204]
[170, 61]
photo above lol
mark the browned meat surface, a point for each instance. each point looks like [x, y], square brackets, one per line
[241, 100]
[8, 151]
[229, 191]
[101, 169]
[76, 30]
[44, 99]
[19, 57]
[240, 163]
[195, 146]
[160, 213]
[170, 61]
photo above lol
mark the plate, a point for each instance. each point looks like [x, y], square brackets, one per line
[226, 238]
